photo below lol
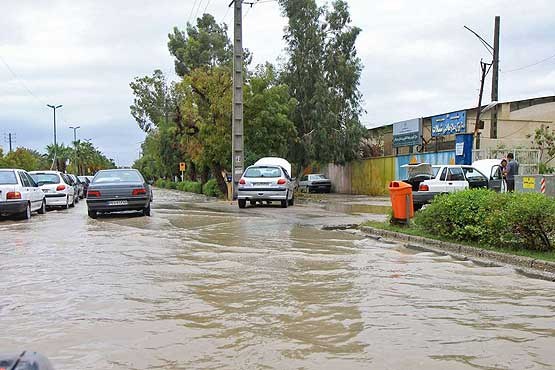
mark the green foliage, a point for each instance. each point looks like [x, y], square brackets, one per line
[323, 74]
[544, 140]
[510, 220]
[211, 189]
[24, 158]
[190, 186]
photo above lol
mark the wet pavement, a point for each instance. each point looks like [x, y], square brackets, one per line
[204, 285]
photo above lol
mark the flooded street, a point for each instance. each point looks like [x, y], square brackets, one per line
[202, 285]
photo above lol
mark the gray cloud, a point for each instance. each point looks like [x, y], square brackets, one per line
[418, 58]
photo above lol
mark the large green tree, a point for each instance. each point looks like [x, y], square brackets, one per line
[323, 74]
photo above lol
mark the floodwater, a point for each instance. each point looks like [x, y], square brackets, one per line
[203, 287]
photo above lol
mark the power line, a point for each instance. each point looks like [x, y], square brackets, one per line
[191, 13]
[16, 77]
[198, 8]
[530, 65]
[206, 7]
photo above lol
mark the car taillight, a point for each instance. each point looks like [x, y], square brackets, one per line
[93, 193]
[13, 195]
[281, 182]
[60, 187]
[242, 182]
[139, 192]
[423, 187]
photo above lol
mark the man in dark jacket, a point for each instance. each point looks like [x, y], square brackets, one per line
[512, 171]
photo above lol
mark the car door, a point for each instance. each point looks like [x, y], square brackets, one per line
[26, 190]
[37, 195]
[496, 181]
[455, 180]
[475, 178]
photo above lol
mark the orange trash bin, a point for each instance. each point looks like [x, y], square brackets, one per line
[400, 193]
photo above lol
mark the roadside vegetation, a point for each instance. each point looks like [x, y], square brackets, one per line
[81, 158]
[307, 110]
[516, 223]
[210, 188]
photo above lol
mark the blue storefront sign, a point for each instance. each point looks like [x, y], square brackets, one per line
[449, 124]
[407, 133]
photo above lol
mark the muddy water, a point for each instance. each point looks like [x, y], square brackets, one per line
[192, 288]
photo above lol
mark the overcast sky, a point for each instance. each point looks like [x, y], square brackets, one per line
[418, 59]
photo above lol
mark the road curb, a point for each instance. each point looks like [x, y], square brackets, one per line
[528, 266]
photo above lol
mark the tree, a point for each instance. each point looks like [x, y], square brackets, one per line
[544, 140]
[152, 101]
[206, 45]
[323, 74]
[27, 159]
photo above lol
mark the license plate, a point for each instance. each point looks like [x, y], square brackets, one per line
[261, 183]
[117, 203]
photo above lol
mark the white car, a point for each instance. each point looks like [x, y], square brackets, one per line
[267, 180]
[447, 179]
[19, 194]
[56, 187]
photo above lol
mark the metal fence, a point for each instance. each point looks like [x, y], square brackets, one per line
[528, 159]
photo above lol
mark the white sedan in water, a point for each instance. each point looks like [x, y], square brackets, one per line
[56, 187]
[19, 194]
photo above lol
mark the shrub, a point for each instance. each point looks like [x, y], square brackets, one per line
[160, 183]
[211, 189]
[511, 220]
[171, 185]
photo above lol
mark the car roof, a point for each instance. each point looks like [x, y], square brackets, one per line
[11, 169]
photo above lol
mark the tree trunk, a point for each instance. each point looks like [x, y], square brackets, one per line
[192, 171]
[204, 174]
[217, 173]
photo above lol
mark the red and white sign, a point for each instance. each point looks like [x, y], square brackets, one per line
[542, 187]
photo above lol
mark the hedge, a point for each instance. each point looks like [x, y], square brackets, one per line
[508, 220]
[210, 188]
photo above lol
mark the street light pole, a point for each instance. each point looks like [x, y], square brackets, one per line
[54, 107]
[74, 128]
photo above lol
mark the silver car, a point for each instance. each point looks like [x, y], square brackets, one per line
[315, 182]
[267, 183]
[118, 190]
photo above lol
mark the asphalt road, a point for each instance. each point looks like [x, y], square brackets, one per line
[204, 285]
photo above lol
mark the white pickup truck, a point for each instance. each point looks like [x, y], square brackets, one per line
[430, 180]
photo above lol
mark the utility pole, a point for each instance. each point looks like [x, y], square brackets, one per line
[9, 138]
[237, 160]
[54, 107]
[75, 128]
[495, 78]
[485, 69]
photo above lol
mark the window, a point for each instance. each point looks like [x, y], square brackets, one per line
[117, 176]
[304, 178]
[45, 178]
[7, 178]
[443, 176]
[30, 179]
[318, 177]
[455, 174]
[473, 175]
[263, 172]
[24, 181]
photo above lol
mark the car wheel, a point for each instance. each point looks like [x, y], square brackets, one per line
[72, 204]
[92, 214]
[26, 215]
[253, 203]
[292, 200]
[146, 210]
[42, 209]
[285, 202]
[76, 199]
[242, 203]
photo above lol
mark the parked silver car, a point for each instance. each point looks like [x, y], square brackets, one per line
[315, 182]
[267, 180]
[118, 190]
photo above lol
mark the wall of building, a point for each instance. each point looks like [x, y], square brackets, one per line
[445, 157]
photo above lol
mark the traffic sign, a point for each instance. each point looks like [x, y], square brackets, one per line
[182, 166]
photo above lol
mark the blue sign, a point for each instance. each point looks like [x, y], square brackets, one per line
[449, 124]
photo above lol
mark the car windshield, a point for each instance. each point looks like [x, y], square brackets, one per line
[7, 178]
[318, 177]
[263, 172]
[117, 176]
[45, 178]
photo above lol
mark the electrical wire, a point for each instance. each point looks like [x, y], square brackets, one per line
[191, 13]
[529, 65]
[198, 8]
[20, 81]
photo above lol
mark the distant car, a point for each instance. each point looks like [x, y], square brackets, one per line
[57, 188]
[267, 180]
[85, 181]
[315, 182]
[19, 194]
[449, 179]
[118, 190]
[79, 186]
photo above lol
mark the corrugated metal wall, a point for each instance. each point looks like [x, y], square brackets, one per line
[446, 157]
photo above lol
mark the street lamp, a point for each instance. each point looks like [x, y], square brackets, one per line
[54, 107]
[74, 128]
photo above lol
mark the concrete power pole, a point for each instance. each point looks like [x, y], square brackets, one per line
[495, 78]
[237, 160]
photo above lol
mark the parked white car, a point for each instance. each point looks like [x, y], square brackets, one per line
[315, 182]
[267, 180]
[441, 179]
[19, 194]
[56, 187]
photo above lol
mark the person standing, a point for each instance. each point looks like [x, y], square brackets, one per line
[511, 172]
